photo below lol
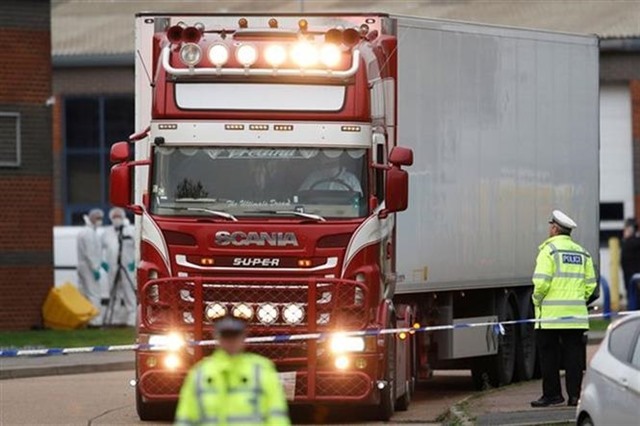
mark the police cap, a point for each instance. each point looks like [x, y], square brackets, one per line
[229, 325]
[562, 220]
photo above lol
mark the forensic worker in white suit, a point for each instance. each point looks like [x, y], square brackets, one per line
[118, 242]
[90, 262]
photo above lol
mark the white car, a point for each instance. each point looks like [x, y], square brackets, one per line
[611, 386]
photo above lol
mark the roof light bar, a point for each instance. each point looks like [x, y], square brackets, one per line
[310, 72]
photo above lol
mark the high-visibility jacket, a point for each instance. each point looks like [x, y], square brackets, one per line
[223, 390]
[563, 281]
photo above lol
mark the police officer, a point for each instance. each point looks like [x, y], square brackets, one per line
[564, 279]
[232, 387]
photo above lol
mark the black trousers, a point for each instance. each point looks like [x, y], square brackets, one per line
[559, 345]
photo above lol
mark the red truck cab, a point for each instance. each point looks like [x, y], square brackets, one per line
[267, 185]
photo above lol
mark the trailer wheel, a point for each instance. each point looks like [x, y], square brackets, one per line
[498, 370]
[526, 345]
[507, 343]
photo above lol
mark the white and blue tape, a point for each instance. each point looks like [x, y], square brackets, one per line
[498, 328]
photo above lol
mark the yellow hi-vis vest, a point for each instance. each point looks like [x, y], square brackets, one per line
[241, 390]
[563, 281]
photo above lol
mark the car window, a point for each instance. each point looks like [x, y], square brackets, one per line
[623, 338]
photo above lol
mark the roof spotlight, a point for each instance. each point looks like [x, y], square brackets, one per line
[190, 54]
[218, 54]
[247, 55]
[304, 54]
[275, 55]
[330, 55]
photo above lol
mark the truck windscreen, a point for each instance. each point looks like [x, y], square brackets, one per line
[188, 181]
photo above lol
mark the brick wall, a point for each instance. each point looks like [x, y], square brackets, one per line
[26, 210]
[635, 134]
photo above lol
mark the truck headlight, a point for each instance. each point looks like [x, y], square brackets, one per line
[267, 313]
[172, 342]
[243, 310]
[340, 344]
[172, 362]
[293, 313]
[215, 310]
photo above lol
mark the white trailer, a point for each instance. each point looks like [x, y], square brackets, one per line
[503, 123]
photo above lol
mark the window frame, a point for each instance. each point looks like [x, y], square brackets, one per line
[18, 142]
[102, 150]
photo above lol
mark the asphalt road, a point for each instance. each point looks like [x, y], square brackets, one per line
[108, 398]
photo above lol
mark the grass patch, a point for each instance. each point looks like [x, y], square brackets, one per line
[67, 338]
[598, 324]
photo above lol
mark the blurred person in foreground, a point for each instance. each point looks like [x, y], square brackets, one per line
[90, 262]
[564, 281]
[232, 386]
[630, 261]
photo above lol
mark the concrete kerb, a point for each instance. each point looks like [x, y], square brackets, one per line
[457, 415]
[15, 368]
[23, 373]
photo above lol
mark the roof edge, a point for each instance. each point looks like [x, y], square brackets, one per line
[93, 60]
[622, 44]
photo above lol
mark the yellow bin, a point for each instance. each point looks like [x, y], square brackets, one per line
[66, 308]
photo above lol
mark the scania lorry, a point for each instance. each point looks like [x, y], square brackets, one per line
[332, 173]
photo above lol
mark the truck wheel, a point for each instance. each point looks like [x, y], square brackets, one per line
[526, 345]
[402, 403]
[154, 411]
[387, 404]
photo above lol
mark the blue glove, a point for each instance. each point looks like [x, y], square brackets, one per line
[131, 266]
[105, 266]
[96, 275]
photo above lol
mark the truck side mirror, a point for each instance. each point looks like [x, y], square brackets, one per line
[401, 156]
[120, 184]
[119, 152]
[396, 190]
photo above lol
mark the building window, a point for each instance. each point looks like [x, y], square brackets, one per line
[9, 139]
[92, 124]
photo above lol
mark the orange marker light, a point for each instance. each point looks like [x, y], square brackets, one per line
[207, 261]
[304, 263]
[402, 335]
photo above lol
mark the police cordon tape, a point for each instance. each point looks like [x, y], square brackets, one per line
[497, 327]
